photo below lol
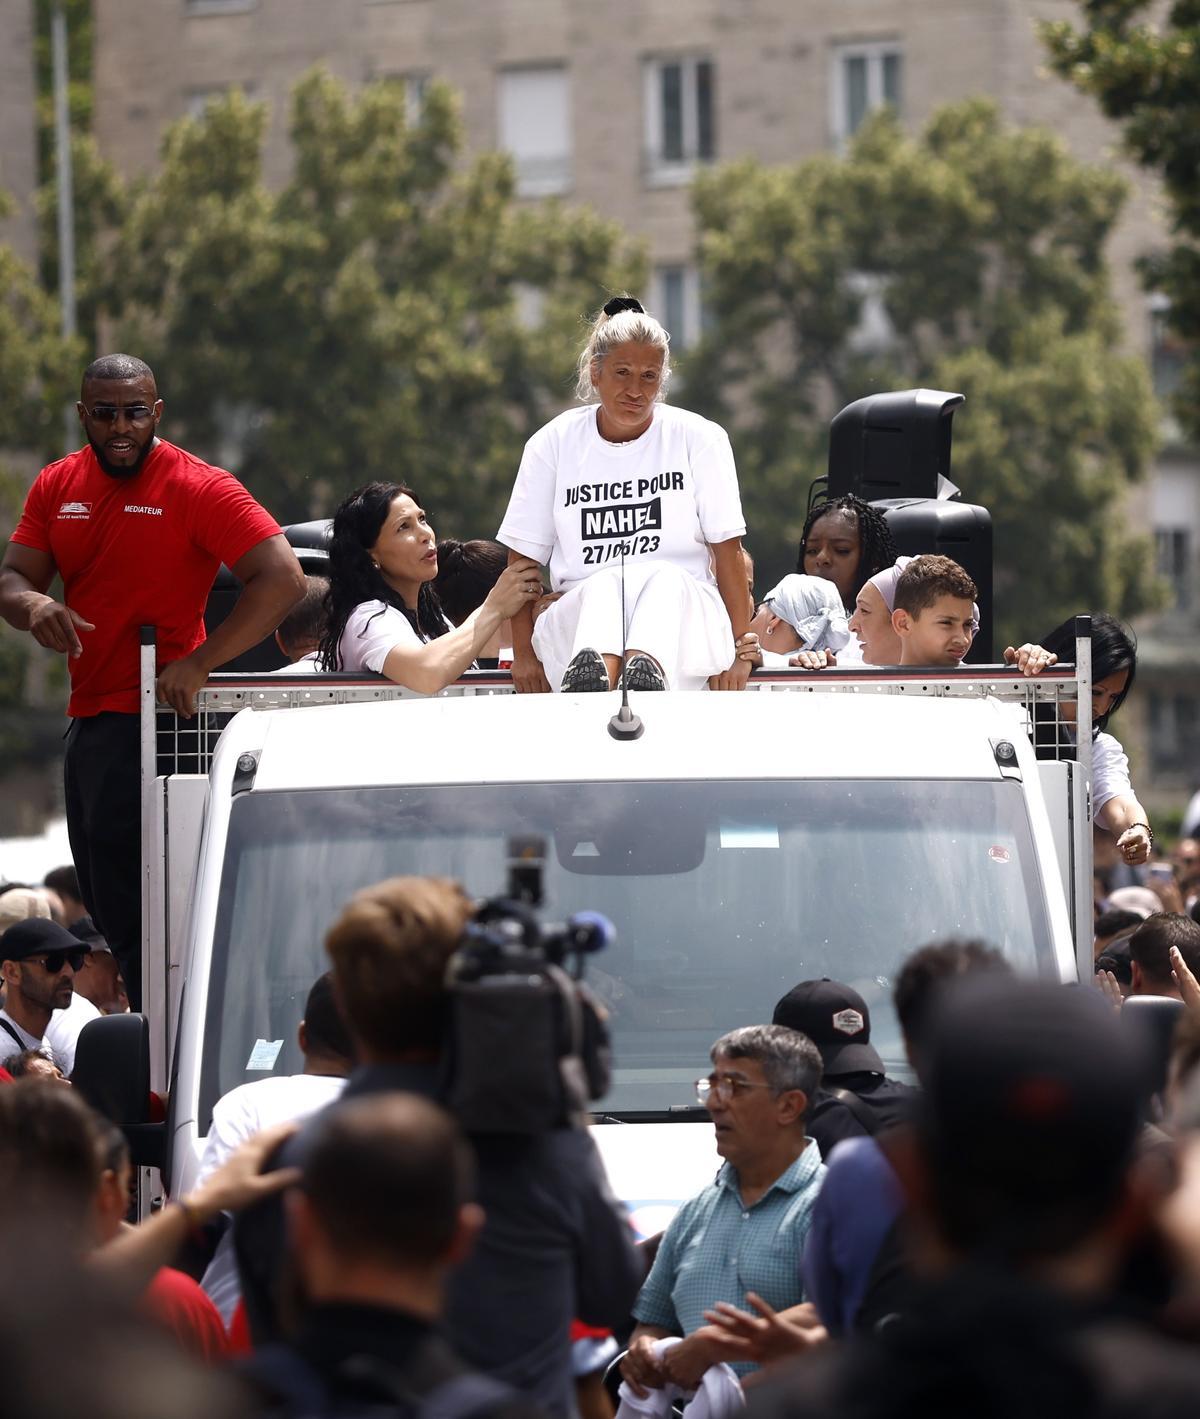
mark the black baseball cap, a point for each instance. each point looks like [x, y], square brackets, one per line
[836, 1019]
[89, 933]
[35, 935]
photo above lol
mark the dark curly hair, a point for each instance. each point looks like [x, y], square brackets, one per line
[354, 577]
[876, 548]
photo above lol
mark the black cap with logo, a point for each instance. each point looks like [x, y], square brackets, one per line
[35, 935]
[836, 1019]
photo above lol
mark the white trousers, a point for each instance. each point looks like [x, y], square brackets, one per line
[669, 614]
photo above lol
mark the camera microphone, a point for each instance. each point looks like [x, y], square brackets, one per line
[589, 931]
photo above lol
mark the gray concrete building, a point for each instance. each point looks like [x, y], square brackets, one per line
[18, 152]
[615, 106]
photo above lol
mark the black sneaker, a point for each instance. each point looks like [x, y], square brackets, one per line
[586, 673]
[641, 673]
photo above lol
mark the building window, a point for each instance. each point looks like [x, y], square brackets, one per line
[529, 305]
[873, 333]
[680, 117]
[1174, 720]
[1173, 546]
[677, 302]
[1168, 351]
[416, 86]
[865, 77]
[217, 7]
[196, 101]
[535, 127]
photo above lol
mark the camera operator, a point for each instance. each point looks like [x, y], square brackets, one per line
[555, 1244]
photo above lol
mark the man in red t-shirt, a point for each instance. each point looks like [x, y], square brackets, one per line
[137, 529]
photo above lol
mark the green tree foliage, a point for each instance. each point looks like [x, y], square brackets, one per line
[365, 320]
[1141, 62]
[984, 248]
[36, 366]
[95, 183]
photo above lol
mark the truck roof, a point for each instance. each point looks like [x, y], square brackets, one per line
[564, 738]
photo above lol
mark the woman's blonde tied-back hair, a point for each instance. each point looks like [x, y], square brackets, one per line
[622, 321]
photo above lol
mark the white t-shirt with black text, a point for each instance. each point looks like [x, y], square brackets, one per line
[667, 495]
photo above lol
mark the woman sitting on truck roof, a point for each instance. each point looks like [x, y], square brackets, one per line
[382, 613]
[623, 500]
[1114, 665]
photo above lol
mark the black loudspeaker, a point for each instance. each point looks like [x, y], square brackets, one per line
[893, 445]
[893, 450]
[962, 531]
[309, 541]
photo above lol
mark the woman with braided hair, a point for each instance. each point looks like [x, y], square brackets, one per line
[634, 506]
[382, 613]
[846, 541]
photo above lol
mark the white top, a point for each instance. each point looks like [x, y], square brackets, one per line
[237, 1116]
[250, 1108]
[306, 665]
[62, 1033]
[1110, 771]
[669, 494]
[373, 630]
[9, 1046]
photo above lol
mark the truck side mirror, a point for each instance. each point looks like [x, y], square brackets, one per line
[112, 1072]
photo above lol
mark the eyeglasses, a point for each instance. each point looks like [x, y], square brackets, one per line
[110, 413]
[723, 1087]
[53, 961]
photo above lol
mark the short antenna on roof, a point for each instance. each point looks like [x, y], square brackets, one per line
[624, 724]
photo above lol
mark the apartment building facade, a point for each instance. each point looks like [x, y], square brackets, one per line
[615, 106]
[18, 152]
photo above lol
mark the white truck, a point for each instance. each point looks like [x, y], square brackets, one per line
[817, 825]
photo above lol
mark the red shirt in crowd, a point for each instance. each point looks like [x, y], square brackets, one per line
[176, 1301]
[137, 551]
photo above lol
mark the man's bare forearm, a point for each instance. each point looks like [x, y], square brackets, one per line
[265, 601]
[19, 598]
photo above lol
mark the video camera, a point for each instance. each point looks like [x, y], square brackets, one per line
[529, 1043]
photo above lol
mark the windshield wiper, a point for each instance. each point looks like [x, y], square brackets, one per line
[673, 1113]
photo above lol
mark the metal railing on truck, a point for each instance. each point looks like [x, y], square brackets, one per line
[173, 747]
[171, 744]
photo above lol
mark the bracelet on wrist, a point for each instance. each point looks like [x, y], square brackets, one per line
[1148, 828]
[191, 1214]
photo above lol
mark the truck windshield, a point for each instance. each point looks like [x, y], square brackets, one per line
[724, 896]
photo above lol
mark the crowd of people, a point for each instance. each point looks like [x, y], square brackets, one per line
[1016, 1233]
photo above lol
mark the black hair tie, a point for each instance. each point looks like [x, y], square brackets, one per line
[620, 303]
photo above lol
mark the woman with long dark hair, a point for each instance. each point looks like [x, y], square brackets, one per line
[1114, 666]
[382, 613]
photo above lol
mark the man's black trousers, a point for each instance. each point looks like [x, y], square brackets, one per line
[102, 777]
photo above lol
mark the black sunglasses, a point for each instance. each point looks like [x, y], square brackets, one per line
[53, 961]
[109, 413]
